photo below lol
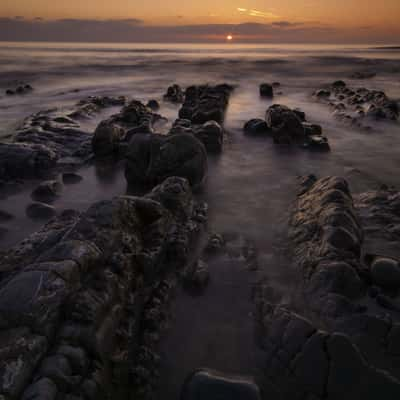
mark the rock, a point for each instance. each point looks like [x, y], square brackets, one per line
[106, 138]
[40, 211]
[70, 178]
[211, 135]
[212, 385]
[205, 103]
[339, 84]
[10, 92]
[286, 126]
[276, 84]
[47, 191]
[256, 126]
[5, 216]
[322, 93]
[385, 272]
[43, 389]
[174, 94]
[26, 161]
[317, 143]
[312, 129]
[153, 104]
[300, 114]
[197, 276]
[153, 158]
[266, 90]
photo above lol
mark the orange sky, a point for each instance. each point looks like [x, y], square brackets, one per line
[337, 12]
[379, 17]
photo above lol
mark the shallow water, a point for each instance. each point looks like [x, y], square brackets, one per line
[250, 186]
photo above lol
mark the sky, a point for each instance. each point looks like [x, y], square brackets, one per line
[318, 21]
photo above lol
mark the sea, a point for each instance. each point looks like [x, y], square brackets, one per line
[250, 186]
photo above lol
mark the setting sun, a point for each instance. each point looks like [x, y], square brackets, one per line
[229, 37]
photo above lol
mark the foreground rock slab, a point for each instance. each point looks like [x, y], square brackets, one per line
[77, 297]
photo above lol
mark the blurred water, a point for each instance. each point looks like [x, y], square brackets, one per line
[251, 184]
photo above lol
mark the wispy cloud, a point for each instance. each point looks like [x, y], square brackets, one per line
[257, 13]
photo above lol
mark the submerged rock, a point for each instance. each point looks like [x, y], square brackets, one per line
[40, 211]
[152, 158]
[385, 272]
[211, 135]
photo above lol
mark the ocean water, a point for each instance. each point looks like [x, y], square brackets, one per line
[250, 185]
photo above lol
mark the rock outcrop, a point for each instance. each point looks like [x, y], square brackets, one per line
[79, 299]
[206, 103]
[151, 158]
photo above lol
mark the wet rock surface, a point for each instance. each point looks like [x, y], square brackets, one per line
[357, 106]
[174, 94]
[206, 103]
[80, 299]
[151, 158]
[49, 139]
[288, 127]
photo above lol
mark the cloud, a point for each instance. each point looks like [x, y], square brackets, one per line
[135, 30]
[257, 13]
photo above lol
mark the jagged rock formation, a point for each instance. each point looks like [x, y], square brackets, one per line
[205, 103]
[353, 105]
[50, 138]
[347, 309]
[80, 300]
[113, 133]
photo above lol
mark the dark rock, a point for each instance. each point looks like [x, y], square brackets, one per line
[70, 178]
[3, 232]
[174, 94]
[212, 385]
[205, 103]
[196, 276]
[47, 191]
[276, 84]
[322, 93]
[312, 129]
[300, 114]
[317, 143]
[211, 135]
[106, 138]
[385, 272]
[23, 160]
[363, 75]
[40, 211]
[43, 389]
[153, 158]
[153, 104]
[286, 126]
[256, 126]
[266, 90]
[339, 84]
[9, 92]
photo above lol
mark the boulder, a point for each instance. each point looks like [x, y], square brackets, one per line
[211, 135]
[266, 90]
[25, 161]
[212, 385]
[152, 158]
[70, 178]
[40, 211]
[47, 191]
[106, 138]
[385, 272]
[153, 104]
[174, 94]
[285, 125]
[256, 126]
[205, 103]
